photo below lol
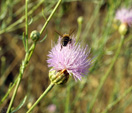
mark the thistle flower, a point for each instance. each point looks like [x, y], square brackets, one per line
[51, 108]
[73, 58]
[124, 16]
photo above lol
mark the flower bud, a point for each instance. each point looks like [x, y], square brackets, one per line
[80, 19]
[123, 28]
[35, 35]
[115, 24]
[29, 105]
[60, 77]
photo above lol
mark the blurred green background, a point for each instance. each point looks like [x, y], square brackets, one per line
[97, 29]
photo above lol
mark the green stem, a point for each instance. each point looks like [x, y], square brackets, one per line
[79, 20]
[21, 19]
[106, 74]
[8, 92]
[11, 87]
[22, 68]
[40, 98]
[13, 96]
[67, 103]
[117, 100]
[31, 49]
[28, 53]
[26, 23]
[52, 13]
[92, 20]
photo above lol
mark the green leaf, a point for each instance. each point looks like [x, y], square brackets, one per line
[43, 38]
[20, 105]
[43, 14]
[30, 22]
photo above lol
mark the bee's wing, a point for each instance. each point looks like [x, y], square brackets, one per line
[59, 33]
[71, 31]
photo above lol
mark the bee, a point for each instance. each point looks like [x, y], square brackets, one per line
[65, 38]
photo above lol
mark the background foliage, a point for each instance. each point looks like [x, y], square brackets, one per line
[97, 30]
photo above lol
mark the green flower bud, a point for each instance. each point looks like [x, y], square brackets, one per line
[115, 24]
[80, 19]
[60, 77]
[123, 28]
[35, 35]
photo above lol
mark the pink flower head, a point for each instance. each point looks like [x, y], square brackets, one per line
[72, 57]
[124, 15]
[52, 108]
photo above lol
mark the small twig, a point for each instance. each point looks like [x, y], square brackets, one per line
[21, 19]
[42, 95]
[106, 75]
[49, 18]
[22, 68]
[117, 100]
[26, 24]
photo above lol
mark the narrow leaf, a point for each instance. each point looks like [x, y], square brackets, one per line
[43, 14]
[43, 38]
[30, 22]
[20, 105]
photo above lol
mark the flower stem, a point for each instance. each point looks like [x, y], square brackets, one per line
[52, 13]
[106, 74]
[79, 20]
[8, 92]
[26, 23]
[117, 100]
[67, 103]
[40, 98]
[22, 67]
[28, 53]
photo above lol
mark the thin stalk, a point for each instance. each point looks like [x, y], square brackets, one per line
[117, 100]
[106, 74]
[21, 19]
[26, 23]
[92, 19]
[67, 103]
[12, 85]
[79, 20]
[22, 68]
[116, 87]
[30, 50]
[14, 94]
[41, 97]
[8, 92]
[52, 13]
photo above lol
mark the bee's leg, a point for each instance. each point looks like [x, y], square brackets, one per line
[61, 47]
[70, 42]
